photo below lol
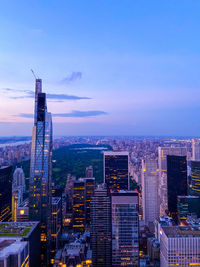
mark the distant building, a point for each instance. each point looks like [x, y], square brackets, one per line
[179, 246]
[125, 229]
[150, 198]
[195, 178]
[5, 194]
[18, 190]
[22, 232]
[188, 206]
[116, 170]
[101, 237]
[176, 182]
[195, 150]
[14, 252]
[89, 172]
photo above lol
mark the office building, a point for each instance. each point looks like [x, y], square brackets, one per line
[195, 178]
[5, 194]
[41, 170]
[89, 192]
[180, 246]
[14, 252]
[176, 182]
[79, 206]
[116, 170]
[195, 150]
[150, 197]
[162, 165]
[125, 229]
[101, 237]
[28, 232]
[188, 206]
[55, 223]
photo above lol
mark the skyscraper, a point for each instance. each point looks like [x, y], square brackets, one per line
[5, 193]
[125, 229]
[101, 239]
[41, 170]
[162, 164]
[18, 189]
[116, 170]
[150, 198]
[176, 182]
[89, 172]
[195, 150]
[195, 178]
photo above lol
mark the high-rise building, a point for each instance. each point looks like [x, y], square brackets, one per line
[55, 225]
[116, 170]
[195, 178]
[79, 206]
[176, 182]
[18, 189]
[150, 198]
[179, 246]
[5, 194]
[125, 229]
[101, 237]
[41, 171]
[89, 192]
[195, 150]
[188, 206]
[89, 172]
[162, 164]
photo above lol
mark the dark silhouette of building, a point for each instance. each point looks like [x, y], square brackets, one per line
[5, 194]
[116, 170]
[79, 206]
[101, 237]
[176, 182]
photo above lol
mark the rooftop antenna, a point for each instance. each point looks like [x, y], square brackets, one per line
[34, 74]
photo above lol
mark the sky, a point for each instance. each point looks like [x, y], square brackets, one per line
[109, 67]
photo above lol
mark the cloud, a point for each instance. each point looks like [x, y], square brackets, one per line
[74, 76]
[73, 114]
[31, 94]
[80, 114]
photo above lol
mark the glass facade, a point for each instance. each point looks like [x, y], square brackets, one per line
[116, 173]
[176, 181]
[188, 206]
[125, 229]
[41, 170]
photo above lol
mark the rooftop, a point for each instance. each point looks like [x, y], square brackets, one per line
[181, 231]
[16, 229]
[11, 246]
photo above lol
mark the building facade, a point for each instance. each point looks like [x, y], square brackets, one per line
[195, 178]
[5, 194]
[116, 170]
[41, 171]
[125, 229]
[101, 237]
[150, 197]
[176, 182]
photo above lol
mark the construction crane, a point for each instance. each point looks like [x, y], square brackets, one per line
[34, 74]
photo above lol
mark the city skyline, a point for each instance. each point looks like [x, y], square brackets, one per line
[127, 68]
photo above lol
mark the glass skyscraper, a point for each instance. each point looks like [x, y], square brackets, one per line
[116, 170]
[125, 229]
[41, 170]
[176, 182]
[195, 178]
